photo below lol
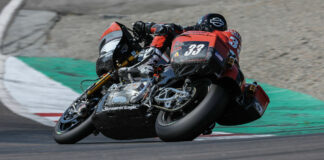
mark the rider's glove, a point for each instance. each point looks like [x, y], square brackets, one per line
[141, 29]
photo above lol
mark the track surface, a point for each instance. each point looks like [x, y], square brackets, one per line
[23, 139]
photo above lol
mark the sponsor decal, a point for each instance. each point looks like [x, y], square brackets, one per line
[121, 108]
[236, 34]
[177, 54]
[219, 56]
[259, 108]
[233, 42]
[217, 22]
[177, 46]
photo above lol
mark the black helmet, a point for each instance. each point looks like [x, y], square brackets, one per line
[213, 20]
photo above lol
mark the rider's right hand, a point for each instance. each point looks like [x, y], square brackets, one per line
[139, 30]
[139, 27]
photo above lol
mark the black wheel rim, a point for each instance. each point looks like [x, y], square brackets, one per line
[169, 118]
[71, 117]
[172, 117]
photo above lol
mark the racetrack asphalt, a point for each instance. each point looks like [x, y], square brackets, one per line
[21, 138]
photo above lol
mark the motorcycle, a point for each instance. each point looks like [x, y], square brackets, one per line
[201, 86]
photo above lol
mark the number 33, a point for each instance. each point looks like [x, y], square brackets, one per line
[194, 49]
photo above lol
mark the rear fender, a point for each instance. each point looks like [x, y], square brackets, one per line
[237, 114]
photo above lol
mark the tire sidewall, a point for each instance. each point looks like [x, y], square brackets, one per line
[76, 134]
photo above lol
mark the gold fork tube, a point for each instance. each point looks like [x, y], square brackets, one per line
[107, 77]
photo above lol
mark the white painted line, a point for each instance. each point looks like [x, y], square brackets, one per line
[224, 135]
[34, 92]
[6, 17]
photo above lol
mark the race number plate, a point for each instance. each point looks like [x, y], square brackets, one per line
[193, 51]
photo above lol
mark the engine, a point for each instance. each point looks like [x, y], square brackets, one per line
[123, 102]
[123, 95]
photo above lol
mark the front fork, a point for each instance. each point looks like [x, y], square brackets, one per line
[107, 77]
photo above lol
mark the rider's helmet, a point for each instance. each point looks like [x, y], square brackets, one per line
[213, 20]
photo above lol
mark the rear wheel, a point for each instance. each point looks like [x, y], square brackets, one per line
[75, 123]
[200, 112]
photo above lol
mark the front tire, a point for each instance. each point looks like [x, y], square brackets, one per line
[76, 134]
[73, 126]
[197, 120]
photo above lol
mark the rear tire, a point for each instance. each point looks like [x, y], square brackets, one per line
[195, 122]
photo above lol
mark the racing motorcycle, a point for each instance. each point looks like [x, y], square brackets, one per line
[201, 86]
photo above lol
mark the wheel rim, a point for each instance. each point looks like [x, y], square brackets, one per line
[197, 95]
[187, 106]
[72, 117]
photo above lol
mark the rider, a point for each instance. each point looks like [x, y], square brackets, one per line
[164, 34]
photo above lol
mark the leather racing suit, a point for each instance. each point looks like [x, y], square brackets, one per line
[165, 33]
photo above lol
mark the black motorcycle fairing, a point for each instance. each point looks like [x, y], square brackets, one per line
[114, 49]
[116, 117]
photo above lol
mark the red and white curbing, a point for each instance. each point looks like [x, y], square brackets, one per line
[35, 95]
[13, 91]
[50, 116]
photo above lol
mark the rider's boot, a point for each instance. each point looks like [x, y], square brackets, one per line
[147, 69]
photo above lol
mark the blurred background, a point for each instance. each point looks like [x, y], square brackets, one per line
[282, 39]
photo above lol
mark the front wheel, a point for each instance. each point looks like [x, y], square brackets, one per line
[193, 119]
[75, 123]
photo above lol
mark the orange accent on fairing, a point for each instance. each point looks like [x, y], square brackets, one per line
[216, 40]
[158, 41]
[113, 27]
[153, 29]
